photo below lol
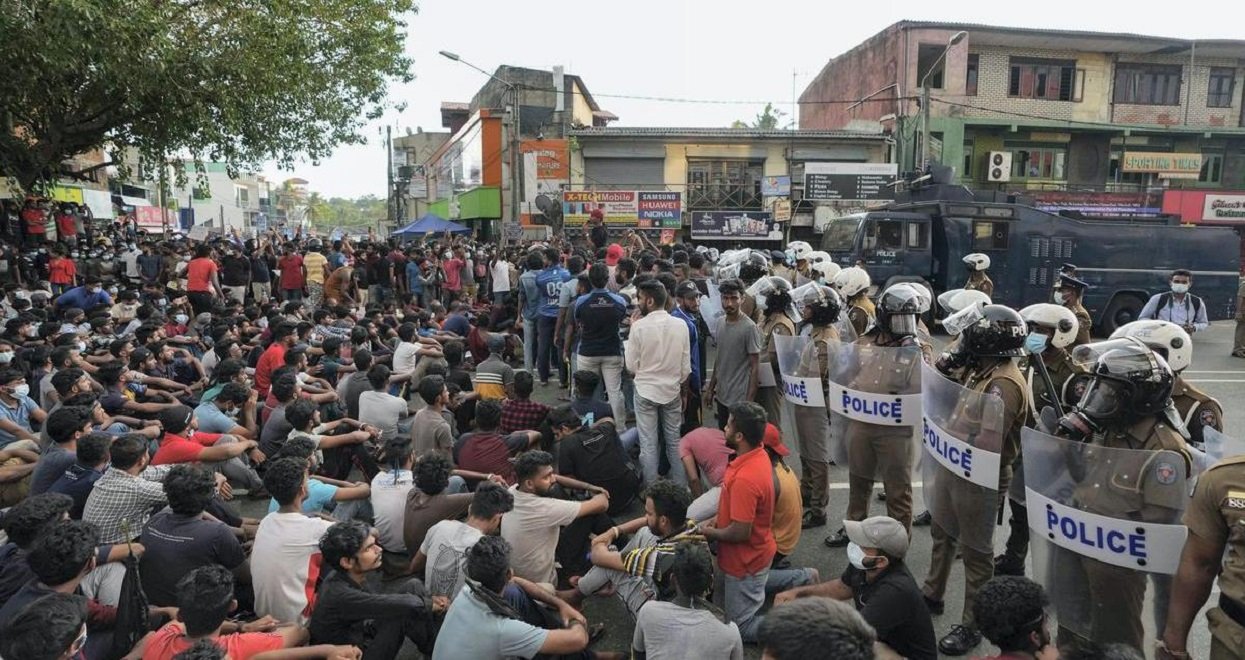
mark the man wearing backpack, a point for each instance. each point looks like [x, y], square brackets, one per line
[1178, 306]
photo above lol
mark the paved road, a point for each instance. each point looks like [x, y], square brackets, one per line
[1213, 369]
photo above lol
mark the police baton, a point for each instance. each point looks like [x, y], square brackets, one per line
[1040, 366]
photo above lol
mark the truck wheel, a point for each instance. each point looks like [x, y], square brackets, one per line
[1123, 309]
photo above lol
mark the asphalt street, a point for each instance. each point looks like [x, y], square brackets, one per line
[1213, 369]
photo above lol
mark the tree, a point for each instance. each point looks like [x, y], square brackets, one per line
[236, 81]
[767, 120]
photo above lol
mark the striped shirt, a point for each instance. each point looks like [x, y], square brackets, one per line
[492, 377]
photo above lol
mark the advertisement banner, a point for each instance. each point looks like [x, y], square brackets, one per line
[735, 226]
[776, 186]
[1162, 163]
[826, 181]
[1229, 208]
[547, 163]
[149, 217]
[1099, 204]
[642, 209]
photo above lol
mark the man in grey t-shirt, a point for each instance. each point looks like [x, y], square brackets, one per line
[735, 365]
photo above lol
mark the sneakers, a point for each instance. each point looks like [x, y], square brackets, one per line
[922, 520]
[813, 518]
[838, 539]
[935, 607]
[959, 641]
[1006, 564]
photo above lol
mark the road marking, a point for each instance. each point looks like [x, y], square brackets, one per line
[1217, 380]
[844, 485]
[1231, 371]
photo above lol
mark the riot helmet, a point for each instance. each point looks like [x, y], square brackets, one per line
[1127, 381]
[1167, 339]
[1056, 319]
[999, 333]
[754, 266]
[827, 270]
[976, 261]
[954, 300]
[772, 294]
[899, 307]
[818, 303]
[800, 249]
[852, 281]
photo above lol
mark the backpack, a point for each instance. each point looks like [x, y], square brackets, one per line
[1166, 299]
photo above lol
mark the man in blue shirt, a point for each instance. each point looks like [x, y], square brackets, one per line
[415, 277]
[85, 297]
[600, 315]
[549, 284]
[530, 301]
[17, 411]
[686, 308]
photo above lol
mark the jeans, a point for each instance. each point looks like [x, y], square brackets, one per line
[652, 418]
[530, 332]
[610, 370]
[744, 596]
[292, 295]
[237, 469]
[546, 354]
[379, 293]
[501, 297]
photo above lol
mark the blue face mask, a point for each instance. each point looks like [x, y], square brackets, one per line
[1035, 343]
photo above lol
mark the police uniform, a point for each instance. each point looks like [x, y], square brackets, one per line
[748, 307]
[1083, 321]
[1112, 596]
[812, 425]
[1197, 410]
[803, 275]
[1238, 337]
[860, 313]
[784, 271]
[1216, 515]
[771, 398]
[1001, 378]
[884, 452]
[979, 281]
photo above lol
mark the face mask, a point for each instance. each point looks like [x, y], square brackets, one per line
[6, 357]
[1059, 298]
[1180, 288]
[181, 319]
[162, 302]
[81, 346]
[447, 255]
[186, 258]
[856, 555]
[93, 290]
[32, 332]
[1035, 343]
[21, 390]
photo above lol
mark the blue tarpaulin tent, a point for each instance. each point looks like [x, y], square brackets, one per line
[431, 223]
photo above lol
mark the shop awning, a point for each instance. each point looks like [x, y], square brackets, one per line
[100, 203]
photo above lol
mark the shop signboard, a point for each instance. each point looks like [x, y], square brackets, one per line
[776, 186]
[856, 181]
[1224, 208]
[1168, 166]
[735, 226]
[641, 209]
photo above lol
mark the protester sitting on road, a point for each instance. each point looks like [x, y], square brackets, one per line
[688, 625]
[815, 627]
[1011, 613]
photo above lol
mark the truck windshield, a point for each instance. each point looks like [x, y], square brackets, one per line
[840, 235]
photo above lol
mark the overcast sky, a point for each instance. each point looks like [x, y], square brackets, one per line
[687, 49]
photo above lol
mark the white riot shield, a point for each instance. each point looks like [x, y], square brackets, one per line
[1217, 447]
[962, 439]
[801, 363]
[1101, 520]
[874, 397]
[711, 309]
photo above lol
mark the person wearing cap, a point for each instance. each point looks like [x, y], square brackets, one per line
[779, 267]
[788, 502]
[598, 235]
[743, 529]
[1069, 291]
[879, 584]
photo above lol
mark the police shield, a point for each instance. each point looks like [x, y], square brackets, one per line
[874, 397]
[962, 436]
[1101, 520]
[1217, 447]
[802, 362]
[711, 309]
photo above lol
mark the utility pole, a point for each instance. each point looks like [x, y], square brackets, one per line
[389, 175]
[955, 39]
[164, 212]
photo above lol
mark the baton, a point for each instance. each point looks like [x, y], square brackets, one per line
[1040, 367]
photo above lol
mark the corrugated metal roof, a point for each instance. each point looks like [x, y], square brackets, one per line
[701, 132]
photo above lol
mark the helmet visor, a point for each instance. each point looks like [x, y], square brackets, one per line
[902, 324]
[963, 319]
[1104, 399]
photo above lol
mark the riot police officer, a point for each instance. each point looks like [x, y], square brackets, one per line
[776, 319]
[821, 309]
[1197, 409]
[1069, 292]
[1052, 328]
[977, 264]
[853, 284]
[984, 361]
[778, 266]
[886, 450]
[754, 267]
[1124, 407]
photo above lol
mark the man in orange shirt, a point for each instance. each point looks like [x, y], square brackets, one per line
[283, 337]
[62, 272]
[743, 528]
[202, 280]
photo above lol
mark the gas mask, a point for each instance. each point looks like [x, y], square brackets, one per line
[901, 325]
[1102, 401]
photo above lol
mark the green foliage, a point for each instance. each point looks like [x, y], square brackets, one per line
[768, 119]
[235, 81]
[341, 212]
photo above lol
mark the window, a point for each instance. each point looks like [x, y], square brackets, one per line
[1219, 91]
[970, 76]
[1038, 163]
[885, 235]
[918, 235]
[989, 235]
[1041, 79]
[242, 197]
[1212, 168]
[724, 184]
[930, 62]
[967, 175]
[1147, 84]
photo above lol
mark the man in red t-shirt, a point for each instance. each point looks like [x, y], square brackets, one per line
[202, 280]
[183, 443]
[743, 530]
[273, 358]
[62, 272]
[453, 267]
[67, 224]
[34, 218]
[293, 274]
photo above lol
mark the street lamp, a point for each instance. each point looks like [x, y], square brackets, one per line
[515, 160]
[955, 39]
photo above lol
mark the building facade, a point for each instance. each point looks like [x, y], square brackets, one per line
[1079, 120]
[740, 185]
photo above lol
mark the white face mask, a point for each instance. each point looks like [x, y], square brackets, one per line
[81, 346]
[1059, 298]
[32, 331]
[856, 555]
[21, 390]
[162, 302]
[181, 319]
[6, 357]
[186, 258]
[1180, 288]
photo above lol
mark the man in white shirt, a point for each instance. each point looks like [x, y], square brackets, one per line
[500, 271]
[285, 561]
[390, 488]
[1178, 306]
[658, 352]
[442, 554]
[413, 354]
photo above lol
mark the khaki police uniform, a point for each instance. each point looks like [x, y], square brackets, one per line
[883, 452]
[1002, 378]
[1238, 338]
[1216, 515]
[1197, 410]
[979, 281]
[1083, 324]
[1141, 492]
[785, 272]
[748, 307]
[812, 425]
[860, 312]
[771, 398]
